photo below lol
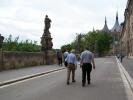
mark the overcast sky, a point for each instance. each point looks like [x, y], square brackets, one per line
[25, 18]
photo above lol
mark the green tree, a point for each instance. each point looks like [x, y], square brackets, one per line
[103, 43]
[11, 44]
[91, 40]
[68, 47]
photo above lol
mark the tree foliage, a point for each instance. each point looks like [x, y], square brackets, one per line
[103, 44]
[67, 47]
[98, 42]
[11, 44]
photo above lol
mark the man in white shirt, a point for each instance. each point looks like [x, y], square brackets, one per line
[87, 60]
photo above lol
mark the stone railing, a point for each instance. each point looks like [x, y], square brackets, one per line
[14, 60]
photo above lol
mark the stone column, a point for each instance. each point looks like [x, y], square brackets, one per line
[0, 59]
[1, 52]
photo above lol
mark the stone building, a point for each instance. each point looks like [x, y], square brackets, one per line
[126, 37]
[115, 33]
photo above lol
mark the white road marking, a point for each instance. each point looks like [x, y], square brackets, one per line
[108, 62]
[30, 79]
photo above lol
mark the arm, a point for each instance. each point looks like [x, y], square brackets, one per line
[66, 59]
[81, 60]
[81, 63]
[75, 62]
[93, 62]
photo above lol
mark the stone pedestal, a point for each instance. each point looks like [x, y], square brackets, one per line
[0, 58]
[48, 57]
[46, 40]
[47, 44]
[46, 48]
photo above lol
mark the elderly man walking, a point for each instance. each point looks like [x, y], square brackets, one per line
[87, 59]
[72, 64]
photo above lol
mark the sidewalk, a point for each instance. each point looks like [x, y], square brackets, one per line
[23, 73]
[128, 65]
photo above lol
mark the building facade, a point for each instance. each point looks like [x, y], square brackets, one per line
[126, 36]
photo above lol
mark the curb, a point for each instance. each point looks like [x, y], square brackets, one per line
[28, 77]
[128, 77]
[127, 80]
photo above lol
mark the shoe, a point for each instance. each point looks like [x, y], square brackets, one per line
[89, 82]
[67, 83]
[83, 84]
[73, 81]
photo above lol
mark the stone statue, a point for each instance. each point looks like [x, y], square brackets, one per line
[46, 39]
[47, 22]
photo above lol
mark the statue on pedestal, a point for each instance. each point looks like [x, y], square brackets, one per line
[46, 39]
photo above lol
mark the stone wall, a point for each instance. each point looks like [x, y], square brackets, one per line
[127, 30]
[14, 60]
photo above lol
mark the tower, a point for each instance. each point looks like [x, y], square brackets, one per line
[116, 27]
[105, 28]
[115, 32]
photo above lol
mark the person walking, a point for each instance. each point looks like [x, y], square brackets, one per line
[65, 56]
[86, 62]
[59, 58]
[72, 65]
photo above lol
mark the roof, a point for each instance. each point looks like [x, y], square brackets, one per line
[105, 28]
[116, 27]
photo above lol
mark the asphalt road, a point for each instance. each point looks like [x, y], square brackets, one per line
[106, 84]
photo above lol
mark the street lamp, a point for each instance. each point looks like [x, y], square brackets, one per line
[1, 42]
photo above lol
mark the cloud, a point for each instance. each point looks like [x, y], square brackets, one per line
[26, 17]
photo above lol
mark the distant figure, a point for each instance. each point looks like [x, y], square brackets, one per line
[118, 56]
[121, 57]
[47, 22]
[65, 56]
[87, 59]
[59, 58]
[72, 65]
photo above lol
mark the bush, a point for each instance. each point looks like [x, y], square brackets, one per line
[14, 45]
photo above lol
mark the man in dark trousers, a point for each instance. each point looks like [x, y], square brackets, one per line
[59, 58]
[87, 60]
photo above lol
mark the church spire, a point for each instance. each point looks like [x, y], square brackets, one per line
[117, 15]
[116, 27]
[105, 28]
[105, 20]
